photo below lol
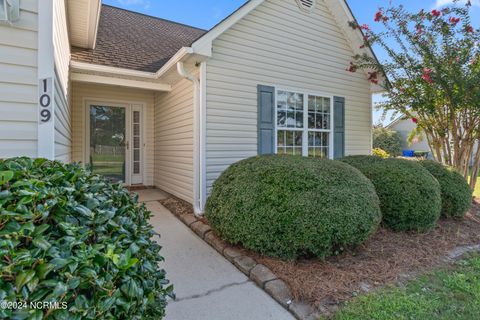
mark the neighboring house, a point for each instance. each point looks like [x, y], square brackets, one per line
[405, 126]
[157, 103]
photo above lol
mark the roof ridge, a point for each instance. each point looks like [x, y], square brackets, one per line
[154, 17]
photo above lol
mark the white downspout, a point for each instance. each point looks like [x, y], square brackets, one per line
[197, 144]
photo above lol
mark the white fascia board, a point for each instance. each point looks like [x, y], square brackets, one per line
[203, 46]
[88, 78]
[95, 7]
[172, 63]
[89, 67]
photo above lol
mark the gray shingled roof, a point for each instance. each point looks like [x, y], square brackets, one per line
[135, 41]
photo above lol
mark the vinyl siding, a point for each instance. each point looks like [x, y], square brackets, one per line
[278, 44]
[81, 92]
[405, 127]
[61, 44]
[174, 141]
[18, 83]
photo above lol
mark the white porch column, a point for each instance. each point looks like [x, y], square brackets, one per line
[46, 81]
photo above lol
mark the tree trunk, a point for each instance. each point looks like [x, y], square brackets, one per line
[475, 168]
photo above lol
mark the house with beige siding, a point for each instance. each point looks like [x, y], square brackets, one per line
[147, 101]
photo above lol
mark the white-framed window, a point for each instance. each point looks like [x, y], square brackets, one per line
[303, 123]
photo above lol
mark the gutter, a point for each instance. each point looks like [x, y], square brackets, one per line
[198, 129]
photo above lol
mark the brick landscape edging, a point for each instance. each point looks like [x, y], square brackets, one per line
[257, 272]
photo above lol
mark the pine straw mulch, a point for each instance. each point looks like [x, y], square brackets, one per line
[176, 206]
[387, 258]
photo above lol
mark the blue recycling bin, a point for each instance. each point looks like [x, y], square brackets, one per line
[409, 153]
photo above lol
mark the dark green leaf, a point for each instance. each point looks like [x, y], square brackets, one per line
[23, 278]
[44, 269]
[5, 176]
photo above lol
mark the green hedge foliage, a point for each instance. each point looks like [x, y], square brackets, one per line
[290, 207]
[388, 140]
[67, 236]
[456, 193]
[409, 195]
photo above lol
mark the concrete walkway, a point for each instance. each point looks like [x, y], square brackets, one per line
[208, 287]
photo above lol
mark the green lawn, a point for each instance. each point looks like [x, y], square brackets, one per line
[476, 192]
[443, 295]
[109, 166]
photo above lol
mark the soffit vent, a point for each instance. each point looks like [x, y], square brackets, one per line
[306, 5]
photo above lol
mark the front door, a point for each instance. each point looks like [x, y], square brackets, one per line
[115, 145]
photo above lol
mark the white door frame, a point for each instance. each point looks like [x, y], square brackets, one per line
[129, 107]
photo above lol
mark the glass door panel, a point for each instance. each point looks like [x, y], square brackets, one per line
[108, 136]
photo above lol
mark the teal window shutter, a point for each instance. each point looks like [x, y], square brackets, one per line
[266, 120]
[339, 127]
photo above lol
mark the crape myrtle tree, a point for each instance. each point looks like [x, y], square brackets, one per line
[432, 76]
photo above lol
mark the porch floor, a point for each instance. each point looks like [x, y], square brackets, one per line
[208, 287]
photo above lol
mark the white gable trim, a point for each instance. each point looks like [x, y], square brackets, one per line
[84, 17]
[203, 45]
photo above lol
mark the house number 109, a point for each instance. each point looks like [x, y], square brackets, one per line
[45, 100]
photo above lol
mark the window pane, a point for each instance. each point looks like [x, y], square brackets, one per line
[282, 119]
[281, 140]
[294, 101]
[311, 103]
[318, 104]
[318, 139]
[325, 139]
[326, 105]
[291, 122]
[289, 138]
[298, 141]
[311, 120]
[319, 121]
[326, 122]
[299, 119]
[291, 101]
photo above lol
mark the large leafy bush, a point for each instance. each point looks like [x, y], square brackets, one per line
[409, 195]
[387, 140]
[456, 193]
[69, 236]
[290, 207]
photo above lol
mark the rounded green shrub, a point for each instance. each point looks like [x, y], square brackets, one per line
[78, 241]
[291, 207]
[456, 193]
[409, 195]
